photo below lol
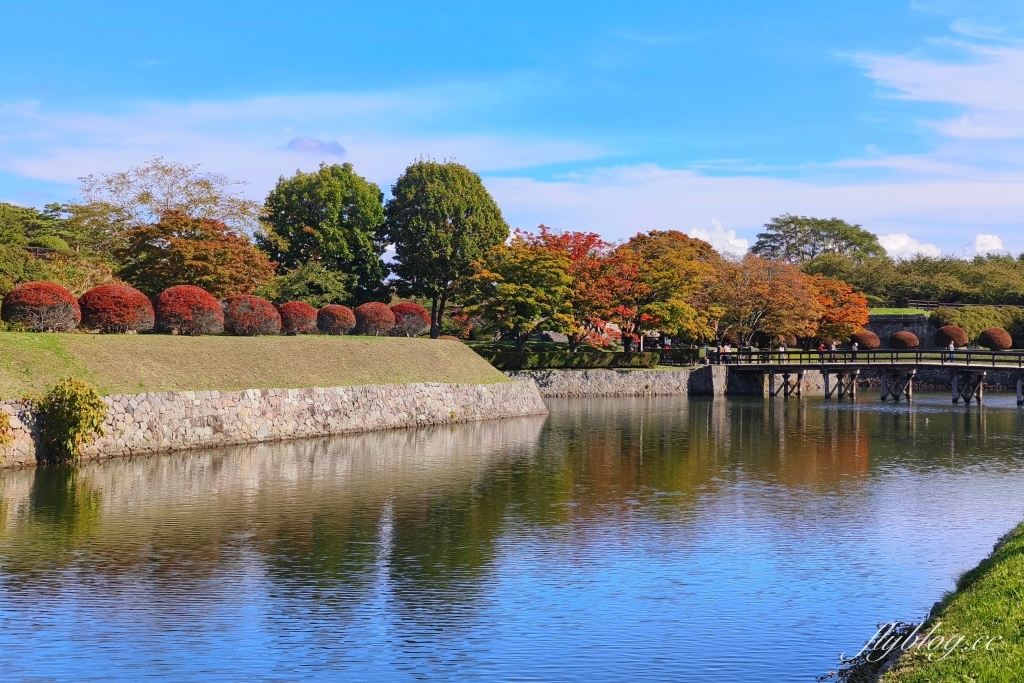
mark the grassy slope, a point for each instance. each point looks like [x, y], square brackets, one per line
[898, 311]
[988, 601]
[30, 363]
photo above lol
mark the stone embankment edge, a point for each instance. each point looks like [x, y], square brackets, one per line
[709, 380]
[171, 421]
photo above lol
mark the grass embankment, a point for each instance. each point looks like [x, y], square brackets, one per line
[988, 603]
[897, 311]
[31, 363]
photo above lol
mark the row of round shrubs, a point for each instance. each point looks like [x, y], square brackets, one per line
[994, 338]
[189, 310]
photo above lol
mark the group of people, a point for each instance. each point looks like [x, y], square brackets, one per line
[723, 353]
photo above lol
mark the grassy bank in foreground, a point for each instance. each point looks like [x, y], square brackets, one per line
[31, 363]
[988, 602]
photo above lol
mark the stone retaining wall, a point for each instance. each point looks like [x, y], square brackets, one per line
[699, 381]
[146, 423]
[885, 326]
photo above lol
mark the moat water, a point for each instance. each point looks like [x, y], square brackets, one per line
[655, 539]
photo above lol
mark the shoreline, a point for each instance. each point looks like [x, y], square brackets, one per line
[984, 606]
[189, 420]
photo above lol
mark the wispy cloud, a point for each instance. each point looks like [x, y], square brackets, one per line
[621, 201]
[314, 146]
[989, 85]
[259, 139]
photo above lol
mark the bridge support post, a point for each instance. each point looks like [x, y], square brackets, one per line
[845, 384]
[1020, 391]
[898, 384]
[970, 386]
[788, 387]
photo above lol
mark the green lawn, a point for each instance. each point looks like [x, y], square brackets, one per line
[897, 311]
[988, 603]
[32, 362]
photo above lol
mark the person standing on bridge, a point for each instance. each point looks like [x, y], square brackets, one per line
[782, 353]
[832, 351]
[952, 348]
[853, 347]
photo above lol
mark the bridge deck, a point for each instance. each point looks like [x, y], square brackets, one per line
[845, 361]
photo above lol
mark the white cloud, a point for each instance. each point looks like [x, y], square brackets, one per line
[983, 244]
[724, 241]
[901, 246]
[990, 86]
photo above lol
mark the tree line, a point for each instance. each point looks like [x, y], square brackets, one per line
[838, 250]
[321, 237]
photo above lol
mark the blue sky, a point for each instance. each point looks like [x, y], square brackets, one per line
[614, 117]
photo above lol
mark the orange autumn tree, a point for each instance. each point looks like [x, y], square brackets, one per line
[766, 298]
[181, 250]
[663, 276]
[843, 311]
[595, 277]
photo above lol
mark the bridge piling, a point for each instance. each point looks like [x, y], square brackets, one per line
[845, 383]
[897, 385]
[970, 386]
[788, 387]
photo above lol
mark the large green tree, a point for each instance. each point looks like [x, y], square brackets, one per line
[799, 239]
[332, 217]
[441, 220]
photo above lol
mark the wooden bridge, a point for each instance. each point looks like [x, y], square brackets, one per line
[841, 370]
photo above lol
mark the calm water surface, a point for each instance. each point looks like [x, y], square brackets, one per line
[618, 539]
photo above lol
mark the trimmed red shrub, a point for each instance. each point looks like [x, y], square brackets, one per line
[866, 340]
[297, 317]
[374, 319]
[411, 320]
[246, 315]
[903, 339]
[188, 310]
[951, 333]
[41, 307]
[117, 308]
[335, 319]
[995, 339]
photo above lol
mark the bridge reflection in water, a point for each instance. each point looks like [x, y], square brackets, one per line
[841, 370]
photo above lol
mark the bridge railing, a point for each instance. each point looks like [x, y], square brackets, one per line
[881, 357]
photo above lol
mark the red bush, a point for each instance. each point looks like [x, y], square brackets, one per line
[189, 310]
[374, 319]
[246, 315]
[117, 308]
[411, 320]
[951, 333]
[335, 319]
[297, 317]
[866, 340]
[41, 307]
[903, 340]
[995, 339]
